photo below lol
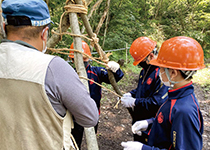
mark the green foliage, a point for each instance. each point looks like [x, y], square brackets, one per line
[157, 19]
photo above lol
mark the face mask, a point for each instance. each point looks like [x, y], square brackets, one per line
[86, 63]
[167, 83]
[143, 64]
[44, 49]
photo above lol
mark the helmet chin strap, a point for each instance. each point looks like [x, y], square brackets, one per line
[169, 78]
[174, 82]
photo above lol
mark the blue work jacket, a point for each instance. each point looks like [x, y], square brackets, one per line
[150, 94]
[179, 123]
[99, 75]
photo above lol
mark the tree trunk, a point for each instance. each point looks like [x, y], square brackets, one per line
[94, 7]
[103, 17]
[106, 27]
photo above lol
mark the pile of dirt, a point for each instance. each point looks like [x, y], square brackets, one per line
[115, 124]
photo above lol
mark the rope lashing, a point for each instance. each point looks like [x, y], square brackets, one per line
[73, 8]
[77, 8]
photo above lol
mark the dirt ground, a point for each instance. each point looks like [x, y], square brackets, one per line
[115, 124]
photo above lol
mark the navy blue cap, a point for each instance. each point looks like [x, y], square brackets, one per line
[36, 10]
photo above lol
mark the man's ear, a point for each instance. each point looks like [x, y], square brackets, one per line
[44, 34]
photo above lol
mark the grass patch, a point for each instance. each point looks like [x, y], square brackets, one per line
[202, 77]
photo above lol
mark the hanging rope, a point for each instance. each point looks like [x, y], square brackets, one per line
[116, 106]
[100, 86]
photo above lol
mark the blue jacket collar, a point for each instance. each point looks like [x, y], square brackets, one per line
[181, 92]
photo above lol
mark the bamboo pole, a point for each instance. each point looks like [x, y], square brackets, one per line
[78, 58]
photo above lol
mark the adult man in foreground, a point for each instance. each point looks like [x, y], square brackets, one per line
[36, 101]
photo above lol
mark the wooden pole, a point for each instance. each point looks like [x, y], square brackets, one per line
[78, 58]
[99, 49]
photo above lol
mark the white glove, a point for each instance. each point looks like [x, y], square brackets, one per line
[132, 145]
[142, 125]
[113, 66]
[128, 101]
[127, 94]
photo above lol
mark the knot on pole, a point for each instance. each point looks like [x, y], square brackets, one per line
[73, 8]
[76, 8]
[94, 40]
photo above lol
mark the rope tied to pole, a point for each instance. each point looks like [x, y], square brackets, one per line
[82, 9]
[73, 8]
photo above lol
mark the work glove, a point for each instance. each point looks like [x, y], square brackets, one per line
[128, 101]
[132, 145]
[113, 66]
[142, 125]
[127, 94]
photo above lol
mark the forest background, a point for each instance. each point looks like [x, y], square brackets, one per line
[118, 23]
[126, 20]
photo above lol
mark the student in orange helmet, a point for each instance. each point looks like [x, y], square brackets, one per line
[178, 123]
[99, 75]
[144, 101]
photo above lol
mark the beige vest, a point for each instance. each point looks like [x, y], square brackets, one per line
[27, 119]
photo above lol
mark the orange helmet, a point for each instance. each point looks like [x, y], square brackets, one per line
[85, 49]
[140, 48]
[182, 53]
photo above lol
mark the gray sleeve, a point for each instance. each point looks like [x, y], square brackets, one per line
[65, 91]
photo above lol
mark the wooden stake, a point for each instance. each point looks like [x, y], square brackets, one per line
[78, 58]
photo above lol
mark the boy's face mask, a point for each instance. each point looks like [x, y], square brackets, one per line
[166, 83]
[143, 64]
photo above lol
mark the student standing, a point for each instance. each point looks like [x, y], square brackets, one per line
[178, 123]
